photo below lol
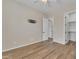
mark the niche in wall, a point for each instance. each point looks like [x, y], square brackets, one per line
[31, 21]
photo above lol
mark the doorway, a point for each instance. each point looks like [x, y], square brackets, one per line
[48, 28]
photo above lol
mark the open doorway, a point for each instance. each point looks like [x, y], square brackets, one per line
[48, 28]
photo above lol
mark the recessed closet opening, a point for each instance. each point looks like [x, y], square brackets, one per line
[70, 26]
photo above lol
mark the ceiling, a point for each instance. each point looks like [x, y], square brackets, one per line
[54, 5]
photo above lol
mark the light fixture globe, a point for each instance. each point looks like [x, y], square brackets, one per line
[44, 1]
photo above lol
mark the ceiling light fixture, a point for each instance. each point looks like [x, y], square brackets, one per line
[44, 1]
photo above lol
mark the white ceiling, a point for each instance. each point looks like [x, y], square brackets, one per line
[55, 5]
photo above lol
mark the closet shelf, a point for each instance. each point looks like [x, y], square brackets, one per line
[70, 22]
[70, 31]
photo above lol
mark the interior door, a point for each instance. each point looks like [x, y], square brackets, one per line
[45, 28]
[50, 28]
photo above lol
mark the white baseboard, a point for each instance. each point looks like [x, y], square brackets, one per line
[21, 46]
[60, 42]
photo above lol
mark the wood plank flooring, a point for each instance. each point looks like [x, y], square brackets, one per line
[43, 50]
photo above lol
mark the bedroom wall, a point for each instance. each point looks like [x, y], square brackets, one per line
[17, 31]
[59, 28]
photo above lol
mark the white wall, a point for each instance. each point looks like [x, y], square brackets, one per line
[59, 29]
[17, 31]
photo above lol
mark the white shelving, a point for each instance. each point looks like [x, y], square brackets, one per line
[70, 27]
[72, 21]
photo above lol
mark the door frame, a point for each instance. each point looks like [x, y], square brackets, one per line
[52, 19]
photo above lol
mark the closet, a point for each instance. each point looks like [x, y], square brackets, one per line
[70, 26]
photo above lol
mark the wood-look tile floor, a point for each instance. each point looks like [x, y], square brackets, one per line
[43, 50]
